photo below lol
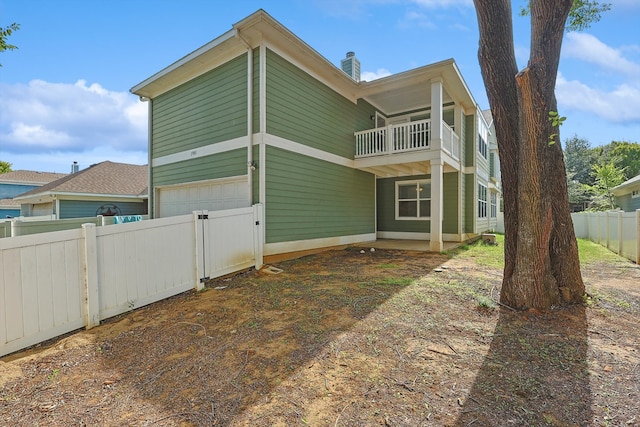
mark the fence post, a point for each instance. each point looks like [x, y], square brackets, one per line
[606, 224]
[257, 235]
[202, 246]
[90, 279]
[620, 238]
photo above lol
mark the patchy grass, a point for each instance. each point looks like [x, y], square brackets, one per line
[591, 252]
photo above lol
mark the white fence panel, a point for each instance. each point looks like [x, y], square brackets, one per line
[54, 283]
[631, 236]
[617, 231]
[581, 226]
[613, 221]
[143, 262]
[41, 288]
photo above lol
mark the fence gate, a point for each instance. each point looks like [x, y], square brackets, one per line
[228, 241]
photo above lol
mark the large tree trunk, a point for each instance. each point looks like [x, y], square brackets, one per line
[542, 268]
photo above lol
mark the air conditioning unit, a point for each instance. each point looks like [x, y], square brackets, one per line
[489, 239]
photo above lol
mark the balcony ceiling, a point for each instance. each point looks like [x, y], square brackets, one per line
[411, 90]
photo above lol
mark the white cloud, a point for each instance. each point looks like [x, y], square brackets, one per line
[620, 105]
[70, 117]
[369, 76]
[414, 19]
[589, 48]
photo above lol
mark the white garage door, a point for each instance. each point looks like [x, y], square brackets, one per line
[210, 195]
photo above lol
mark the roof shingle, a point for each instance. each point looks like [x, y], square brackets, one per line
[30, 177]
[102, 178]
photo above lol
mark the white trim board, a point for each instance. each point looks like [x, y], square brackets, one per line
[207, 150]
[237, 143]
[305, 245]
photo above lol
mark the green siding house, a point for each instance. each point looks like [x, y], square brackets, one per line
[627, 194]
[258, 116]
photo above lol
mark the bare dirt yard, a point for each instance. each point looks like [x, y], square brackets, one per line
[344, 338]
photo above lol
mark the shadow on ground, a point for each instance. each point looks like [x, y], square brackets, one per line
[535, 373]
[206, 359]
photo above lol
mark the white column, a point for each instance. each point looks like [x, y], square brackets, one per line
[436, 114]
[436, 206]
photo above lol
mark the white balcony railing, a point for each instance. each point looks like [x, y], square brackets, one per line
[450, 141]
[403, 137]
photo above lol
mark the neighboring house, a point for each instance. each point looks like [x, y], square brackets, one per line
[628, 194]
[9, 208]
[17, 182]
[258, 116]
[106, 188]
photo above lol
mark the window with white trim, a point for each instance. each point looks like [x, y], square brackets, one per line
[635, 193]
[482, 146]
[413, 200]
[494, 205]
[482, 201]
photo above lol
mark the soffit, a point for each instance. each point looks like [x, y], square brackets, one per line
[411, 90]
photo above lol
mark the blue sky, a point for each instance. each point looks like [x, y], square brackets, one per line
[64, 94]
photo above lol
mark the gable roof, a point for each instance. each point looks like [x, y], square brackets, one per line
[408, 89]
[106, 178]
[29, 177]
[629, 186]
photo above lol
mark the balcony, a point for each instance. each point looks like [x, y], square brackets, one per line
[403, 138]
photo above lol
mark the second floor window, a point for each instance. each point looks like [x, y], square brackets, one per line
[482, 201]
[482, 146]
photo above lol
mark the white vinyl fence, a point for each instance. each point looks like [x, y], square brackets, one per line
[616, 230]
[54, 283]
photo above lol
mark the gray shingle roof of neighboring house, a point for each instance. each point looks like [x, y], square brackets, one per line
[102, 178]
[9, 203]
[30, 177]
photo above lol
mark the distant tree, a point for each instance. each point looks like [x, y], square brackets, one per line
[626, 156]
[578, 158]
[5, 167]
[4, 35]
[580, 194]
[607, 176]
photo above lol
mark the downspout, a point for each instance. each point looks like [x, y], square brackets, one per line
[251, 166]
[150, 199]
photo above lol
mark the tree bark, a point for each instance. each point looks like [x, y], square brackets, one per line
[542, 267]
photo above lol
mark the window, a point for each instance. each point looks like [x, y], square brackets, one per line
[482, 146]
[494, 205]
[482, 201]
[413, 200]
[635, 193]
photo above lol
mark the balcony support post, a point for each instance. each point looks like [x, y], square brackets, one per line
[435, 244]
[436, 114]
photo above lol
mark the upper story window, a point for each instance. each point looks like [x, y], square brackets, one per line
[482, 201]
[413, 200]
[482, 146]
[635, 193]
